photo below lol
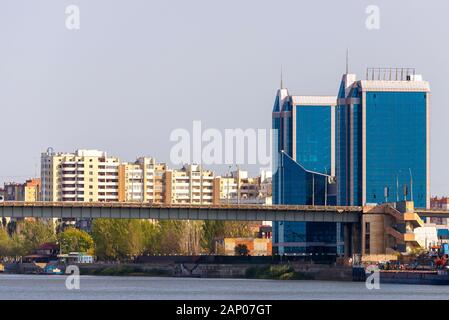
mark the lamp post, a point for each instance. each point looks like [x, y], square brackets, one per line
[229, 177]
[411, 184]
[313, 189]
[325, 187]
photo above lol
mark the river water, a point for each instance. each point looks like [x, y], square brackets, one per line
[100, 287]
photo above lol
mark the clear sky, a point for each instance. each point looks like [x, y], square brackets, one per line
[138, 69]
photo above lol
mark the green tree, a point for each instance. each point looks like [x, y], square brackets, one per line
[212, 231]
[75, 240]
[30, 234]
[241, 250]
[170, 234]
[119, 239]
[150, 231]
[102, 234]
[5, 243]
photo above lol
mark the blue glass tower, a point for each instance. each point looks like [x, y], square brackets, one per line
[304, 164]
[382, 138]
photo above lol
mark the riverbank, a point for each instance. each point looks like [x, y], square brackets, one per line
[274, 271]
[290, 271]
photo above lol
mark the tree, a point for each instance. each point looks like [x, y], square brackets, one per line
[211, 231]
[30, 234]
[241, 250]
[121, 239]
[5, 243]
[150, 231]
[75, 240]
[103, 239]
[169, 238]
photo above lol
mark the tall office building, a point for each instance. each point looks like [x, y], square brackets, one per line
[382, 138]
[303, 166]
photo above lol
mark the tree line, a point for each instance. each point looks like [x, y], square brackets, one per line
[121, 239]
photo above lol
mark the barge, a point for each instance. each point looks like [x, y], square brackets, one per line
[434, 277]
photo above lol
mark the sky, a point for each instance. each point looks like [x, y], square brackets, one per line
[136, 70]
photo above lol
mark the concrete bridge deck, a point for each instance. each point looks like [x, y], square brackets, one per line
[122, 210]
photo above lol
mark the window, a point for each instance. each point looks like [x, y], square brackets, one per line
[367, 238]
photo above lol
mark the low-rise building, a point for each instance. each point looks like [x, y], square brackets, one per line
[255, 246]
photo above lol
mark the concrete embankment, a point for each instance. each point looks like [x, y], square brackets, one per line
[288, 271]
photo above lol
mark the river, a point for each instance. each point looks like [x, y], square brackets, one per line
[100, 287]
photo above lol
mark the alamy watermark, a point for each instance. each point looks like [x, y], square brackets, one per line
[373, 279]
[72, 20]
[72, 282]
[212, 146]
[372, 21]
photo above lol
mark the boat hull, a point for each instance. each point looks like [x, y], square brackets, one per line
[414, 277]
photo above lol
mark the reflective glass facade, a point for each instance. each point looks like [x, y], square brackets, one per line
[391, 125]
[313, 137]
[396, 145]
[303, 180]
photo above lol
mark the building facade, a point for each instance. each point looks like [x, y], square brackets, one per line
[83, 176]
[304, 165]
[143, 181]
[383, 138]
[28, 191]
[239, 188]
[193, 185]
[92, 176]
[369, 145]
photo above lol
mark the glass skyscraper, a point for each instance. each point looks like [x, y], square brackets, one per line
[382, 138]
[304, 166]
[368, 145]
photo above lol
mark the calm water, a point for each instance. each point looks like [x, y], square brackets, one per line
[93, 287]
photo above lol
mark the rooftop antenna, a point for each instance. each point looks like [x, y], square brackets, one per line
[282, 83]
[347, 60]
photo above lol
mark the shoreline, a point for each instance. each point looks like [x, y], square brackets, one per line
[287, 271]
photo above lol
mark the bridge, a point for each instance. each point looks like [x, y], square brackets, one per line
[122, 210]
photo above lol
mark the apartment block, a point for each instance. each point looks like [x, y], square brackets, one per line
[193, 185]
[86, 175]
[92, 176]
[239, 188]
[28, 191]
[144, 181]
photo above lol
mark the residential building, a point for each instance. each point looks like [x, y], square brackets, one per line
[239, 188]
[192, 185]
[86, 175]
[14, 191]
[143, 181]
[32, 190]
[28, 191]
